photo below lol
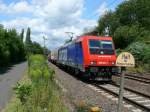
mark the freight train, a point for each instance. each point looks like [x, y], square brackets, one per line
[91, 57]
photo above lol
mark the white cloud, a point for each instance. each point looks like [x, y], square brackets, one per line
[15, 8]
[50, 17]
[102, 9]
[22, 6]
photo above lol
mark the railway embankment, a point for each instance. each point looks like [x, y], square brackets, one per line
[80, 93]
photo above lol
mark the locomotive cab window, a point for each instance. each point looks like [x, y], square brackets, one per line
[94, 44]
[101, 47]
[106, 44]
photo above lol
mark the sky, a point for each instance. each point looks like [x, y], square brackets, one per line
[52, 18]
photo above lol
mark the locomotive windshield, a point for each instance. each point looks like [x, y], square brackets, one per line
[101, 47]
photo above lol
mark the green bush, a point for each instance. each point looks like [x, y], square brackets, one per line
[146, 54]
[23, 91]
[45, 92]
[137, 49]
[141, 52]
[37, 58]
[38, 68]
[35, 74]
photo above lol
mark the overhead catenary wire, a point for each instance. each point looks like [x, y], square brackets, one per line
[70, 34]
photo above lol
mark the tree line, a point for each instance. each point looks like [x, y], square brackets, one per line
[129, 25]
[32, 47]
[13, 48]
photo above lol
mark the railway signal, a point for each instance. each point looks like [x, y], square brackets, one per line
[125, 59]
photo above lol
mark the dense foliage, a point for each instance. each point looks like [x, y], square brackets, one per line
[34, 48]
[130, 22]
[12, 49]
[137, 49]
[129, 25]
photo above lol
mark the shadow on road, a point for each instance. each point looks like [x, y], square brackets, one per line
[4, 70]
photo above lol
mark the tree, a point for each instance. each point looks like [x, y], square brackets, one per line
[130, 22]
[36, 48]
[22, 34]
[125, 35]
[109, 21]
[143, 13]
[11, 47]
[126, 13]
[32, 47]
[1, 26]
[4, 51]
[28, 38]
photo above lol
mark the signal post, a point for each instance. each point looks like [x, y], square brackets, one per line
[124, 60]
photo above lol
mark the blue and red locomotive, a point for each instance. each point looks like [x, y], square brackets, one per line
[93, 57]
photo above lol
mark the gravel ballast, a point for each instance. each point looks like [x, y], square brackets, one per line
[76, 91]
[134, 85]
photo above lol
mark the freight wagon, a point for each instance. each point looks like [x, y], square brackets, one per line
[54, 56]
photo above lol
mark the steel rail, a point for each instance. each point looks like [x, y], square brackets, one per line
[139, 79]
[125, 98]
[133, 91]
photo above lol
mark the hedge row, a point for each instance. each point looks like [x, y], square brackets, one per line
[12, 49]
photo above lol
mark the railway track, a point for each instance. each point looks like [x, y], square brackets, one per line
[130, 96]
[136, 78]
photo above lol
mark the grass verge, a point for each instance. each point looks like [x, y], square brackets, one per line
[37, 91]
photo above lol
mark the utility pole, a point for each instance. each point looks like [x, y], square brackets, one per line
[44, 44]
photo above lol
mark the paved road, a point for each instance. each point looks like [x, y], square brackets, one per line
[8, 80]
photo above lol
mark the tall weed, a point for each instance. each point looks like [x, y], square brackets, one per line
[45, 93]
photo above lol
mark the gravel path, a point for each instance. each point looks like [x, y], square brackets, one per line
[8, 80]
[77, 91]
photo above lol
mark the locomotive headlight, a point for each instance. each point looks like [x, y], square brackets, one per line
[93, 62]
[112, 63]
